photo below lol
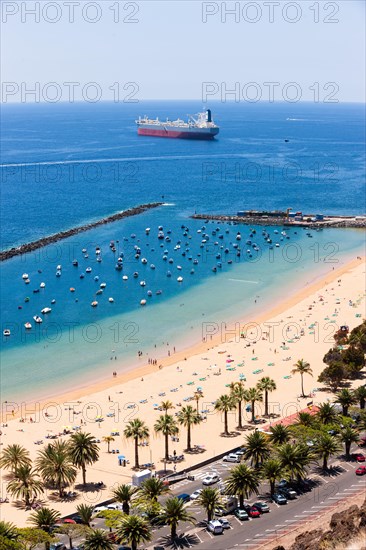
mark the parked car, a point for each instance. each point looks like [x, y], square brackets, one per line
[215, 527]
[261, 506]
[301, 486]
[278, 498]
[241, 514]
[99, 508]
[289, 493]
[232, 457]
[224, 522]
[283, 483]
[196, 494]
[57, 546]
[252, 511]
[240, 452]
[359, 457]
[184, 496]
[361, 471]
[210, 479]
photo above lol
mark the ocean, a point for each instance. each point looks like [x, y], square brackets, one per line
[65, 165]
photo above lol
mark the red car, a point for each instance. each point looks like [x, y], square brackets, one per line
[359, 457]
[252, 511]
[361, 471]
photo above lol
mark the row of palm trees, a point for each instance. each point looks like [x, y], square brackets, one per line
[56, 465]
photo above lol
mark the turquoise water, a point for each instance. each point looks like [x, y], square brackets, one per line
[65, 165]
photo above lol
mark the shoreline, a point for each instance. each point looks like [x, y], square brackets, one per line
[97, 386]
[61, 235]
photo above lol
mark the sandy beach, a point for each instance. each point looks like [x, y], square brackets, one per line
[269, 345]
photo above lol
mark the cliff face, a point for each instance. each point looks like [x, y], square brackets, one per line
[347, 529]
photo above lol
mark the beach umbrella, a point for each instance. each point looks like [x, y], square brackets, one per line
[121, 457]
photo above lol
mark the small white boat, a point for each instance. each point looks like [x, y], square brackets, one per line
[58, 273]
[59, 267]
[25, 276]
[143, 302]
[46, 310]
[125, 278]
[42, 285]
[6, 332]
[38, 319]
[103, 285]
[180, 279]
[28, 326]
[94, 303]
[144, 261]
[88, 270]
[27, 281]
[142, 283]
[111, 300]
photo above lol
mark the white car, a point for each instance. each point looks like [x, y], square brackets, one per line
[114, 506]
[98, 509]
[224, 522]
[196, 494]
[210, 479]
[232, 457]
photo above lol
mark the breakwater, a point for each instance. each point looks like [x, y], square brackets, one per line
[50, 239]
[328, 221]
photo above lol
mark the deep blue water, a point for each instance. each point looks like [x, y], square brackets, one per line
[65, 165]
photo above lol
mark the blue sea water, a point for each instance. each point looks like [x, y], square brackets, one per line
[65, 165]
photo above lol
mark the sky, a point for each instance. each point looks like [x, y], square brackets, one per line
[76, 50]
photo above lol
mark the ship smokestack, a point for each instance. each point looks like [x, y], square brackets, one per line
[209, 117]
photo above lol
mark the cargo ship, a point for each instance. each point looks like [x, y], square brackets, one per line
[200, 126]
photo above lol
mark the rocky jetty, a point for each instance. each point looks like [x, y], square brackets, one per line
[34, 245]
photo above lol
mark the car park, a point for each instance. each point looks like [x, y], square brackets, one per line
[224, 522]
[185, 497]
[361, 471]
[278, 498]
[210, 479]
[241, 514]
[261, 506]
[232, 457]
[196, 494]
[215, 527]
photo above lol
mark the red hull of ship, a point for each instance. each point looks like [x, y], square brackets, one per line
[172, 134]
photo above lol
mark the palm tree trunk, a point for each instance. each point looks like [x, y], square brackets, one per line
[345, 410]
[241, 501]
[272, 485]
[173, 531]
[253, 415]
[188, 437]
[240, 423]
[84, 474]
[125, 508]
[362, 403]
[209, 514]
[109, 446]
[136, 453]
[166, 446]
[70, 542]
[134, 545]
[325, 462]
[348, 448]
[197, 403]
[225, 420]
[266, 403]
[302, 384]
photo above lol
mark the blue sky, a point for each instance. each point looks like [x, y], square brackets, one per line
[169, 52]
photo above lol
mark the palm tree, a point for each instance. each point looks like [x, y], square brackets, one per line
[360, 394]
[134, 529]
[152, 488]
[197, 396]
[25, 484]
[302, 367]
[14, 456]
[326, 446]
[272, 470]
[124, 494]
[210, 499]
[348, 436]
[188, 417]
[45, 518]
[167, 425]
[97, 539]
[305, 419]
[326, 413]
[345, 398]
[136, 429]
[172, 513]
[267, 385]
[167, 406]
[251, 396]
[86, 513]
[225, 403]
[83, 450]
[55, 465]
[256, 448]
[241, 482]
[238, 394]
[8, 530]
[279, 434]
[108, 439]
[294, 458]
